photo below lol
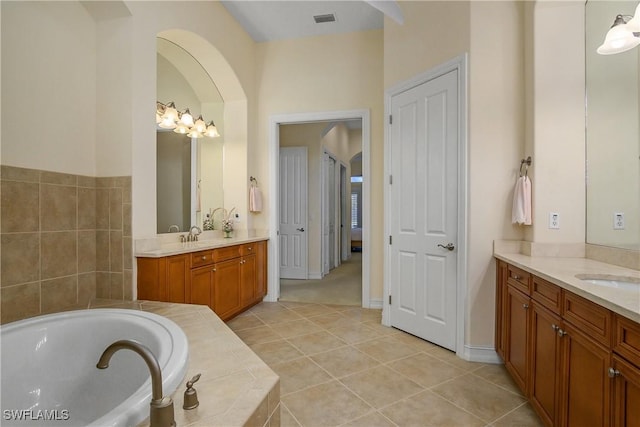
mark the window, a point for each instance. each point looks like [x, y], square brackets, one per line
[354, 210]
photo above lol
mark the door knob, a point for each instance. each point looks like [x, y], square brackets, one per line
[450, 246]
[300, 229]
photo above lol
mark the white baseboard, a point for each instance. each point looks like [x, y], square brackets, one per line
[375, 303]
[480, 354]
[315, 275]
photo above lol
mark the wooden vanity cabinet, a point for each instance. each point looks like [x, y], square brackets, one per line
[517, 337]
[229, 279]
[625, 371]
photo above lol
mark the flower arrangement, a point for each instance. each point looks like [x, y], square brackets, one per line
[227, 221]
[227, 225]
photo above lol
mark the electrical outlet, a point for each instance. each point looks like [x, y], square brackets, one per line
[236, 217]
[618, 221]
[554, 220]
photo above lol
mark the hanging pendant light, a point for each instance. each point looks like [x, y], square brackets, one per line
[181, 128]
[200, 125]
[186, 118]
[212, 130]
[621, 37]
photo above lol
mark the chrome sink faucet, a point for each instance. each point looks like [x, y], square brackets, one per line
[161, 413]
[193, 237]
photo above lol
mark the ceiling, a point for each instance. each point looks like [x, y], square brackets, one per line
[278, 20]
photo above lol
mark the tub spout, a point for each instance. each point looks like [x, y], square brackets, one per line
[161, 412]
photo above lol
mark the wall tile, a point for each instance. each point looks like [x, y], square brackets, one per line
[86, 181]
[58, 207]
[115, 208]
[126, 219]
[102, 251]
[127, 253]
[105, 182]
[128, 285]
[20, 207]
[19, 302]
[59, 294]
[116, 251]
[103, 284]
[86, 288]
[12, 173]
[20, 256]
[102, 209]
[59, 254]
[86, 208]
[117, 288]
[86, 251]
[47, 177]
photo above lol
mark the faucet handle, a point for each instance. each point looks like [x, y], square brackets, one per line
[190, 395]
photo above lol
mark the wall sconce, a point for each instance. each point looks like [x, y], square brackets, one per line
[623, 35]
[168, 117]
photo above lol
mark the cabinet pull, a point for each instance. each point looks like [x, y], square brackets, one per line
[613, 373]
[525, 306]
[561, 333]
[249, 248]
[515, 276]
[204, 257]
[555, 327]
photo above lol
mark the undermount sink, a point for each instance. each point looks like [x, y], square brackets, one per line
[615, 282]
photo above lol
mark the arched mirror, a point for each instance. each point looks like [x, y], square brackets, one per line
[612, 134]
[189, 169]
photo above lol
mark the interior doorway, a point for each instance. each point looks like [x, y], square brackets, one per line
[338, 251]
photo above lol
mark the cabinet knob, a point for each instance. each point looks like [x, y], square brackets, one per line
[613, 373]
[204, 257]
[214, 270]
[249, 248]
[555, 327]
[515, 276]
[561, 333]
[525, 306]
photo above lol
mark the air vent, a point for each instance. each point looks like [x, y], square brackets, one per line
[330, 17]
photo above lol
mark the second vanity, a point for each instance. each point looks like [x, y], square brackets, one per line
[571, 345]
[228, 275]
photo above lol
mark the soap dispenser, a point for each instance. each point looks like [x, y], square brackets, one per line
[190, 394]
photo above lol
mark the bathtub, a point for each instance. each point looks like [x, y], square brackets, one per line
[49, 375]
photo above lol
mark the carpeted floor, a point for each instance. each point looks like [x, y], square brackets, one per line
[342, 286]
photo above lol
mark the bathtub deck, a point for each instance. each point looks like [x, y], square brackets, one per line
[236, 387]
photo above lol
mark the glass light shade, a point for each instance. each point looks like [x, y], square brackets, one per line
[618, 39]
[181, 128]
[158, 118]
[186, 118]
[193, 133]
[634, 24]
[212, 130]
[200, 125]
[167, 123]
[170, 113]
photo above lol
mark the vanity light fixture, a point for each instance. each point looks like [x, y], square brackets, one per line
[168, 117]
[623, 35]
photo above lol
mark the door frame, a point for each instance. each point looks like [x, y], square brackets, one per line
[458, 63]
[345, 247]
[326, 214]
[274, 149]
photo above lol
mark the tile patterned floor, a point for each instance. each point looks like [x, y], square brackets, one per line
[339, 366]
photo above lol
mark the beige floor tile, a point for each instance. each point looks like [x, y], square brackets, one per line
[332, 320]
[354, 333]
[524, 416]
[450, 357]
[498, 375]
[426, 370]
[372, 419]
[274, 352]
[298, 374]
[295, 328]
[279, 316]
[316, 342]
[268, 307]
[386, 349]
[417, 343]
[344, 361]
[245, 322]
[286, 419]
[257, 335]
[381, 386]
[427, 409]
[479, 397]
[310, 310]
[328, 404]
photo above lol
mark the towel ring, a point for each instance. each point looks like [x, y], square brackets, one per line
[253, 180]
[526, 162]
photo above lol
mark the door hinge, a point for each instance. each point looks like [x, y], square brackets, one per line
[390, 240]
[390, 119]
[390, 179]
[389, 299]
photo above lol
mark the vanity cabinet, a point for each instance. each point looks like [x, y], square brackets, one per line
[229, 280]
[577, 362]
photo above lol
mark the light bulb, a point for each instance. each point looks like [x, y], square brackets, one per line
[212, 131]
[170, 114]
[200, 125]
[186, 118]
[193, 133]
[181, 128]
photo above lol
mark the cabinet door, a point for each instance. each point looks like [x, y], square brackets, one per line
[226, 288]
[586, 390]
[626, 393]
[516, 339]
[545, 362]
[501, 290]
[261, 270]
[178, 275]
[247, 280]
[201, 284]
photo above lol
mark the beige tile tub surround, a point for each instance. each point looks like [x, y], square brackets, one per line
[65, 239]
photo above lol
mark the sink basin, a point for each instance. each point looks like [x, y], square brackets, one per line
[615, 282]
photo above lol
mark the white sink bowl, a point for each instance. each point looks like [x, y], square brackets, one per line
[615, 282]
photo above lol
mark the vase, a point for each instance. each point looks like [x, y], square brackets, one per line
[227, 234]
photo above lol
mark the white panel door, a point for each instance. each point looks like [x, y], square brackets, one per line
[293, 213]
[423, 210]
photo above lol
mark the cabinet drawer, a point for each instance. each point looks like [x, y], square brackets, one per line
[248, 249]
[198, 259]
[626, 339]
[223, 254]
[592, 319]
[547, 294]
[519, 279]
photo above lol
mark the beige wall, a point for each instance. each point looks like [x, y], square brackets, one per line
[322, 74]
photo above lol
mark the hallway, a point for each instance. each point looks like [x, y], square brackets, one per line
[342, 286]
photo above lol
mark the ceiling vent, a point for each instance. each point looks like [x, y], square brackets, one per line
[330, 17]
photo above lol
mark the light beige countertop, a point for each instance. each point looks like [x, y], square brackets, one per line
[562, 271]
[169, 244]
[236, 387]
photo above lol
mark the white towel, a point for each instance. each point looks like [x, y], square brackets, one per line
[255, 199]
[521, 210]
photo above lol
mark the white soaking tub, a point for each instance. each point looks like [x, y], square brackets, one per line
[49, 375]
